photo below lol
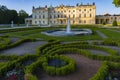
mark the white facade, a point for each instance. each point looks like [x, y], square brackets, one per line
[79, 14]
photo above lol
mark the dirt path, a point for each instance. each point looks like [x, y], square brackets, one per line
[85, 69]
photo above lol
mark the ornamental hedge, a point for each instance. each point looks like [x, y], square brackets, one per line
[59, 71]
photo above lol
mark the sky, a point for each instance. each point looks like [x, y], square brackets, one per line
[102, 6]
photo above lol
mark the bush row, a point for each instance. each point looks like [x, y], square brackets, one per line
[109, 42]
[41, 48]
[4, 40]
[86, 54]
[52, 48]
[102, 72]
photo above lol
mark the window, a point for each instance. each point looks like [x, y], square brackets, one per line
[80, 15]
[50, 16]
[43, 16]
[69, 16]
[90, 9]
[84, 15]
[64, 10]
[84, 21]
[80, 10]
[69, 10]
[64, 16]
[39, 16]
[84, 9]
[90, 15]
[54, 21]
[79, 21]
[35, 22]
[43, 22]
[35, 17]
[73, 21]
[61, 16]
[39, 22]
[73, 10]
[58, 16]
[54, 16]
[73, 16]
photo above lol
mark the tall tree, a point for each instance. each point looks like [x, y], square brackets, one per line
[22, 15]
[6, 15]
[117, 3]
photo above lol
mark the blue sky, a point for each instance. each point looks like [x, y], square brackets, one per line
[103, 6]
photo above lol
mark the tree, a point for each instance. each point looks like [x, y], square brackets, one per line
[6, 15]
[117, 3]
[21, 16]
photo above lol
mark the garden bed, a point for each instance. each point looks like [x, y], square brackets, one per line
[86, 68]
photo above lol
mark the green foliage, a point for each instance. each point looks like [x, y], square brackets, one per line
[116, 3]
[6, 16]
[104, 23]
[114, 23]
[60, 71]
[21, 16]
[102, 72]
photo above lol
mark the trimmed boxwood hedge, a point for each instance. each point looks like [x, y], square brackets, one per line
[59, 71]
[54, 47]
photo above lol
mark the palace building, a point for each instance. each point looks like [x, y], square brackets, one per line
[79, 14]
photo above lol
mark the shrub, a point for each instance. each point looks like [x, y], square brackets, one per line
[114, 23]
[104, 23]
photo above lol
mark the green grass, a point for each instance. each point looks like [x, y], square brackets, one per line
[110, 33]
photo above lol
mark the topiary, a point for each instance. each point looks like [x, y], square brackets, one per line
[114, 23]
[104, 23]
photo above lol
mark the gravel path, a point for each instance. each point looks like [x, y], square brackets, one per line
[98, 52]
[101, 34]
[86, 68]
[24, 48]
[113, 47]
